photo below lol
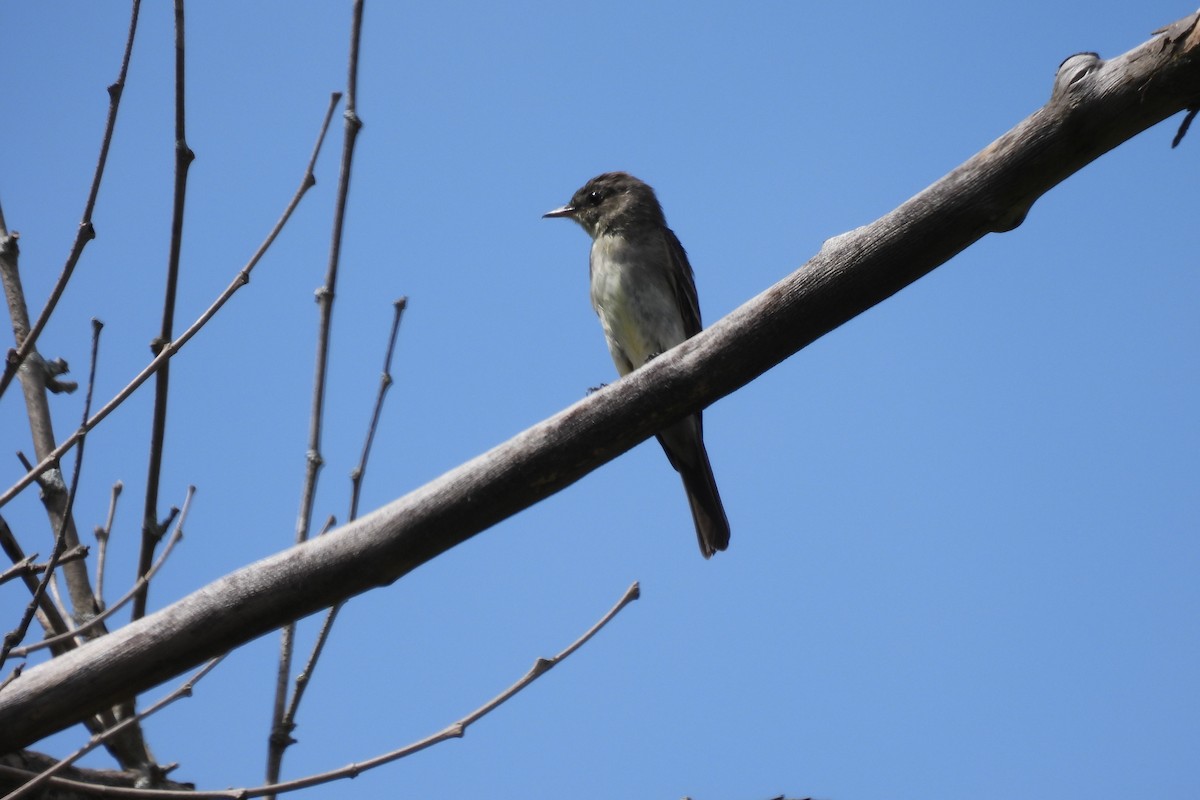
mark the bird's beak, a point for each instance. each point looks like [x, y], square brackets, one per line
[564, 211]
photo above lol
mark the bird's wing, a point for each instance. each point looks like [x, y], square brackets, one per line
[683, 284]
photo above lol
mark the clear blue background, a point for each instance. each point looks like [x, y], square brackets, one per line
[964, 558]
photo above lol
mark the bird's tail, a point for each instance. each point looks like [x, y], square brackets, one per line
[685, 448]
[712, 528]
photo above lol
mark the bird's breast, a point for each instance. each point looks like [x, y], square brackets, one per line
[631, 294]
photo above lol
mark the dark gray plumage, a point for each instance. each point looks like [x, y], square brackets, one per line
[644, 293]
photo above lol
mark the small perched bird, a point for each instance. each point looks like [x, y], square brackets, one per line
[645, 296]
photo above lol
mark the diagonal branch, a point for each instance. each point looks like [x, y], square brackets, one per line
[1094, 107]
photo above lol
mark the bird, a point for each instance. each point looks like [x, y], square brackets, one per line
[644, 293]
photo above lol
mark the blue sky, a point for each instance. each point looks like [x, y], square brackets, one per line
[964, 548]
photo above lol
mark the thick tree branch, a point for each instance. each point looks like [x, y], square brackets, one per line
[1095, 106]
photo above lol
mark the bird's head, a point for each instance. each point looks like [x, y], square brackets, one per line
[610, 202]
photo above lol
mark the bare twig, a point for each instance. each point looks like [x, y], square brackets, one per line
[22, 568]
[385, 382]
[12, 676]
[326, 293]
[128, 596]
[102, 536]
[455, 730]
[168, 351]
[49, 615]
[97, 739]
[27, 566]
[280, 736]
[152, 529]
[86, 231]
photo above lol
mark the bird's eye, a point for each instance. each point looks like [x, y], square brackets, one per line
[595, 197]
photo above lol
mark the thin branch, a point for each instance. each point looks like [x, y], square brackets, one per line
[385, 383]
[86, 231]
[12, 676]
[539, 668]
[455, 730]
[128, 596]
[356, 476]
[14, 637]
[288, 722]
[152, 529]
[22, 568]
[97, 739]
[280, 736]
[1094, 106]
[102, 536]
[240, 280]
[326, 293]
[35, 380]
